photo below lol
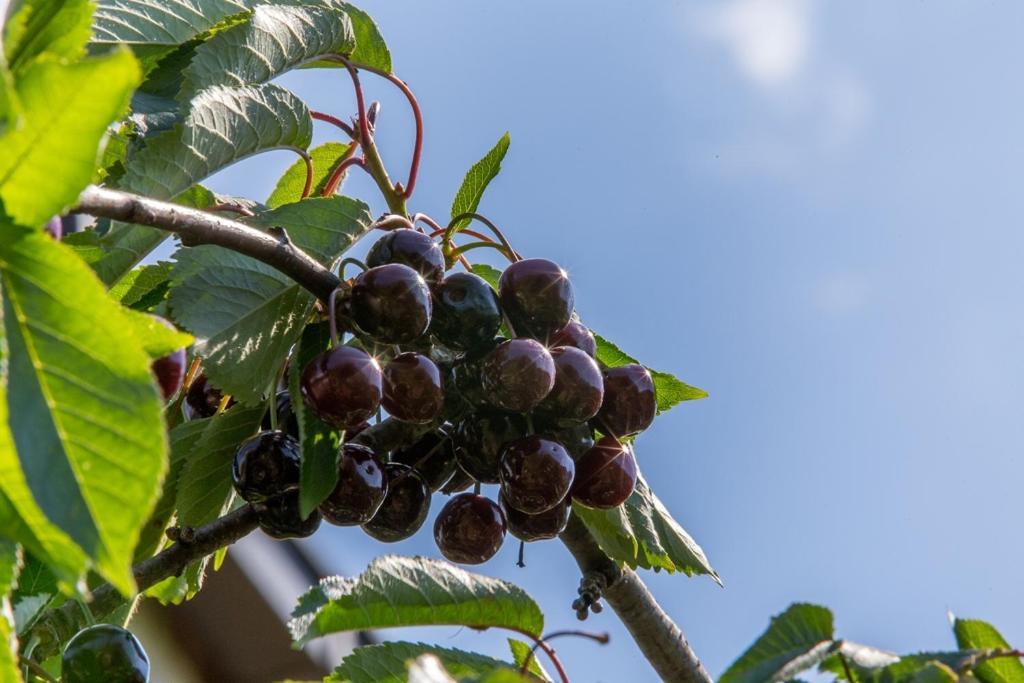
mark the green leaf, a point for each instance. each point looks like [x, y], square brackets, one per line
[326, 158]
[389, 662]
[520, 651]
[320, 443]
[36, 591]
[478, 178]
[53, 154]
[145, 287]
[413, 591]
[974, 634]
[859, 658]
[85, 400]
[935, 672]
[642, 533]
[204, 485]
[57, 27]
[489, 273]
[168, 22]
[274, 40]
[156, 339]
[224, 125]
[796, 640]
[10, 561]
[246, 314]
[902, 670]
[371, 49]
[668, 390]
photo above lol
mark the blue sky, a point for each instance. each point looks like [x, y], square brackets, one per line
[808, 209]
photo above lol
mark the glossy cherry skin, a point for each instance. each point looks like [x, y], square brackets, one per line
[536, 474]
[537, 297]
[480, 440]
[576, 335]
[170, 370]
[390, 303]
[579, 387]
[343, 386]
[517, 375]
[539, 527]
[279, 518]
[410, 248]
[466, 313]
[469, 529]
[287, 421]
[413, 390]
[629, 402]
[576, 439]
[202, 399]
[361, 488]
[104, 652]
[605, 476]
[405, 507]
[265, 466]
[433, 456]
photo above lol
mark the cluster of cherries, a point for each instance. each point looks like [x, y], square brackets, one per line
[501, 387]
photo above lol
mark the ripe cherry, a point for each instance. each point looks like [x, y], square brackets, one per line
[536, 474]
[466, 312]
[539, 527]
[265, 466]
[411, 248]
[342, 386]
[517, 375]
[576, 335]
[412, 388]
[287, 421]
[576, 439]
[390, 303]
[170, 370]
[405, 506]
[433, 456]
[361, 488]
[279, 518]
[629, 402]
[605, 476]
[104, 652]
[579, 387]
[202, 399]
[469, 529]
[480, 439]
[537, 297]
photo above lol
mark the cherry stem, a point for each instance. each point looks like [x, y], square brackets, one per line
[428, 220]
[539, 643]
[417, 151]
[542, 643]
[223, 405]
[492, 245]
[350, 261]
[472, 233]
[234, 208]
[331, 186]
[190, 376]
[38, 670]
[332, 318]
[334, 120]
[390, 222]
[522, 553]
[489, 223]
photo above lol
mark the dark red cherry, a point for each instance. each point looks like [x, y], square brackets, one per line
[170, 370]
[342, 386]
[103, 652]
[433, 456]
[413, 390]
[287, 421]
[466, 312]
[391, 303]
[579, 387]
[280, 518]
[517, 375]
[265, 466]
[605, 476]
[405, 506]
[411, 248]
[536, 474]
[576, 335]
[537, 297]
[54, 228]
[360, 490]
[469, 529]
[629, 402]
[539, 527]
[576, 439]
[202, 399]
[480, 439]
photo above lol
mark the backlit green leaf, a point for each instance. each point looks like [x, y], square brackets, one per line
[669, 390]
[389, 663]
[796, 640]
[289, 188]
[974, 634]
[57, 27]
[478, 178]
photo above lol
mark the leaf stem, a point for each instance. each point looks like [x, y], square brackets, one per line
[38, 670]
[492, 245]
[489, 223]
[338, 174]
[334, 120]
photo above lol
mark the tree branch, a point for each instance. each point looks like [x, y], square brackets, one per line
[60, 624]
[199, 227]
[658, 637]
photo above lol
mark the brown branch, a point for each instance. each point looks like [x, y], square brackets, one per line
[199, 227]
[658, 637]
[58, 625]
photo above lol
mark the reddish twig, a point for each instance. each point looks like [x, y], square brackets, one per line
[331, 186]
[334, 120]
